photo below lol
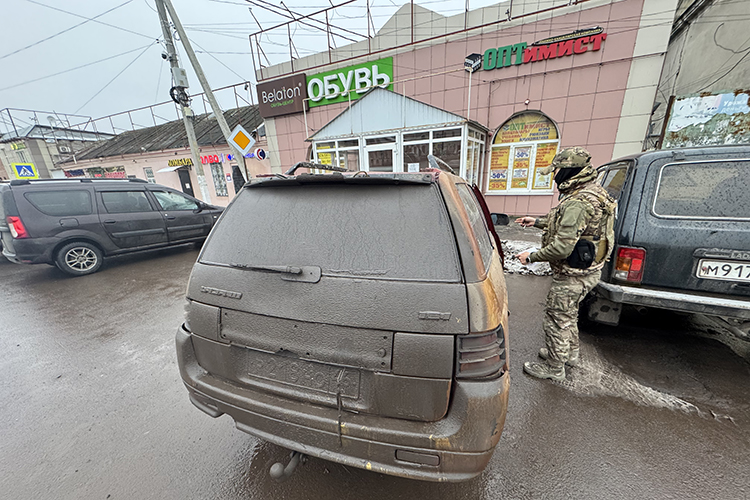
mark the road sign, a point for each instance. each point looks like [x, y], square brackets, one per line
[241, 139]
[25, 171]
[260, 154]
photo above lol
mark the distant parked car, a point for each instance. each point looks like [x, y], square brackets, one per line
[359, 318]
[682, 236]
[75, 223]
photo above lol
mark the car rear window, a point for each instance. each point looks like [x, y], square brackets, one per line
[368, 231]
[62, 202]
[704, 190]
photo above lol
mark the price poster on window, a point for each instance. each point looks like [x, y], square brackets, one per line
[544, 155]
[499, 169]
[520, 174]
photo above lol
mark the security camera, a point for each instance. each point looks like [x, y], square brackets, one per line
[164, 56]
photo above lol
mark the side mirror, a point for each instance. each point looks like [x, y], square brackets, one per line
[500, 219]
[201, 207]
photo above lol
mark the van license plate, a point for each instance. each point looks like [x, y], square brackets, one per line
[724, 270]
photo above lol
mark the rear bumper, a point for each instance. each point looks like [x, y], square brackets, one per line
[28, 251]
[675, 301]
[455, 448]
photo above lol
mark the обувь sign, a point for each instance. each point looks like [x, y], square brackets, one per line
[350, 82]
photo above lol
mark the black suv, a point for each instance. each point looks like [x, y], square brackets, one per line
[360, 318]
[75, 223]
[682, 235]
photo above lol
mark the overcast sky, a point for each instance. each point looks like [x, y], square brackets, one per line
[32, 47]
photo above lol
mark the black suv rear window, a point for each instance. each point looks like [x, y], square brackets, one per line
[368, 231]
[704, 190]
[61, 203]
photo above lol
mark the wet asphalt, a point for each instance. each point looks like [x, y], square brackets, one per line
[92, 406]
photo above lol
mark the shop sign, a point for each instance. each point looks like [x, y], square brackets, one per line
[180, 162]
[283, 96]
[212, 159]
[342, 84]
[577, 42]
[107, 172]
[15, 146]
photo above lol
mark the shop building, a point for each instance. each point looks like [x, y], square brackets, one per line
[546, 75]
[38, 148]
[161, 155]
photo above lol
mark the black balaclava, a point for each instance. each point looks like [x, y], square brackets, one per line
[564, 174]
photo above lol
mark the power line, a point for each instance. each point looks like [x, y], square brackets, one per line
[63, 31]
[73, 69]
[219, 61]
[113, 79]
[92, 19]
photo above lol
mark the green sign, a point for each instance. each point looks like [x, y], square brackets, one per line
[353, 81]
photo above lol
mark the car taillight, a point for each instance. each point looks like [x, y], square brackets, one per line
[480, 355]
[16, 227]
[629, 264]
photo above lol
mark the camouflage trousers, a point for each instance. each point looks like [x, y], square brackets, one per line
[561, 314]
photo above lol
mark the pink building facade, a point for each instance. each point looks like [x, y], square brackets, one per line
[557, 75]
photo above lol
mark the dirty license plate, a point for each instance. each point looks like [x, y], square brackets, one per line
[724, 270]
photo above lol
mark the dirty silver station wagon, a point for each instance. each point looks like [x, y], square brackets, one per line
[359, 318]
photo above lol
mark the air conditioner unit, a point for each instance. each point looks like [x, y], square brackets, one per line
[64, 149]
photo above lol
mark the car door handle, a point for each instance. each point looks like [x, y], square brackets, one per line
[110, 221]
[170, 217]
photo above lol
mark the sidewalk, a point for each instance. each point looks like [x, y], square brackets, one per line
[517, 239]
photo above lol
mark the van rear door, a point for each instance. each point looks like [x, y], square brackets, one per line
[345, 291]
[694, 225]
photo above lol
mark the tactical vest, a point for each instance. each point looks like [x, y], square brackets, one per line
[601, 228]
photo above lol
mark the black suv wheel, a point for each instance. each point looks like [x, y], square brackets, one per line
[79, 258]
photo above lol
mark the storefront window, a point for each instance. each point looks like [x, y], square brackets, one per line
[449, 152]
[343, 153]
[522, 145]
[220, 182]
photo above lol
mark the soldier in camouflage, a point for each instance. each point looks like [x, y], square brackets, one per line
[586, 212]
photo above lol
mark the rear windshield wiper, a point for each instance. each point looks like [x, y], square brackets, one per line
[307, 274]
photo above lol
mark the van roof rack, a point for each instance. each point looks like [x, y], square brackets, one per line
[23, 182]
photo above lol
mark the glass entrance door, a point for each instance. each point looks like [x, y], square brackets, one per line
[381, 158]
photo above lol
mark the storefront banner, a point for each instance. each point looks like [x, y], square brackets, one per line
[283, 96]
[180, 162]
[545, 153]
[107, 172]
[499, 169]
[526, 128]
[342, 84]
[520, 174]
[577, 42]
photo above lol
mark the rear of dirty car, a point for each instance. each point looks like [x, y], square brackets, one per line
[683, 236]
[359, 319]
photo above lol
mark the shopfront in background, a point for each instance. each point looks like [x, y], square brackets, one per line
[362, 139]
[582, 74]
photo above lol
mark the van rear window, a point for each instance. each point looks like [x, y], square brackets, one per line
[704, 190]
[61, 203]
[368, 231]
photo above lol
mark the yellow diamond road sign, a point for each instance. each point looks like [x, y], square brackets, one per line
[241, 139]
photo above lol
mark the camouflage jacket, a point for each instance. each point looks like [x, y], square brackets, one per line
[585, 211]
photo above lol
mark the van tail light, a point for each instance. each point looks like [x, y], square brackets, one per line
[16, 227]
[480, 355]
[629, 264]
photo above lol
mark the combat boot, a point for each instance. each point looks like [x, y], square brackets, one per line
[544, 370]
[574, 358]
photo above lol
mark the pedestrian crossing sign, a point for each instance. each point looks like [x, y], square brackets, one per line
[25, 171]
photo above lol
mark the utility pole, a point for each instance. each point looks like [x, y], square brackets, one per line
[180, 80]
[204, 82]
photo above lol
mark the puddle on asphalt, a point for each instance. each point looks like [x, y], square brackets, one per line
[596, 376]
